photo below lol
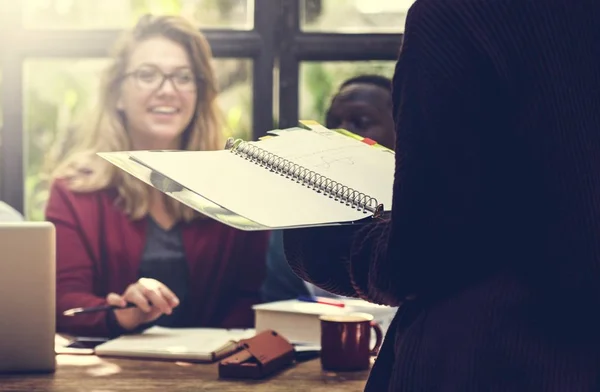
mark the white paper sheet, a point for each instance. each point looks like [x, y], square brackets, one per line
[249, 189]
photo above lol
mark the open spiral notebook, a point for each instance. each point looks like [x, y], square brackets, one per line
[298, 177]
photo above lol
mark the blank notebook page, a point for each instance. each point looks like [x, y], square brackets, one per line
[248, 189]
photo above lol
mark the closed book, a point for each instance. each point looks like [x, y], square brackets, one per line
[299, 321]
[178, 344]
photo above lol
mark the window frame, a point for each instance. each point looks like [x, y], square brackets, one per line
[276, 45]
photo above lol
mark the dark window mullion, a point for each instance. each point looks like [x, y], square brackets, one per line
[224, 43]
[289, 69]
[347, 47]
[266, 13]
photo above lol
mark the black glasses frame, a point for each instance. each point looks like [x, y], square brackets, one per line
[197, 81]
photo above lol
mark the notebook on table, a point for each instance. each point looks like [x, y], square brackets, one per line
[300, 177]
[178, 344]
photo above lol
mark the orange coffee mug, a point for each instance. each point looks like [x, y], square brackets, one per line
[346, 340]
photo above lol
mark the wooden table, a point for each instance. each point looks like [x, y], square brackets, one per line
[88, 373]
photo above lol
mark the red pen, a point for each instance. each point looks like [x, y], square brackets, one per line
[322, 300]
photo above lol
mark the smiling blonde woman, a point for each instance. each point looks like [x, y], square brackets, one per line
[115, 234]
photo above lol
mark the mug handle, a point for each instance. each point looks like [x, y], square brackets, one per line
[378, 338]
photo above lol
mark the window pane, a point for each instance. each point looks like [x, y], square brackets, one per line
[355, 16]
[320, 80]
[117, 14]
[59, 92]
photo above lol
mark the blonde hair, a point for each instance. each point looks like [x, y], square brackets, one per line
[86, 172]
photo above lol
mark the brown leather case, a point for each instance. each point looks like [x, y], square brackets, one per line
[258, 357]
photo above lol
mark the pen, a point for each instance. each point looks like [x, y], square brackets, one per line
[321, 300]
[103, 308]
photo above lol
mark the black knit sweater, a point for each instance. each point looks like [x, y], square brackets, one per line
[493, 247]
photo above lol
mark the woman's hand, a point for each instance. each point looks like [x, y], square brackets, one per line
[152, 300]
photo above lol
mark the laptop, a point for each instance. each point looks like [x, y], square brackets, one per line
[27, 297]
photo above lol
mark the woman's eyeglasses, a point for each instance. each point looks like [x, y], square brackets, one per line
[153, 79]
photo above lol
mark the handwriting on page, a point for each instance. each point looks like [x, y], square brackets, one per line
[324, 159]
[340, 158]
[327, 162]
[316, 151]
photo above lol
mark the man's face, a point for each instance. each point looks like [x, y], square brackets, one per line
[364, 109]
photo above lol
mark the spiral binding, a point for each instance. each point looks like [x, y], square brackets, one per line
[306, 177]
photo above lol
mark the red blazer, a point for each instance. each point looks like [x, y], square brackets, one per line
[226, 265]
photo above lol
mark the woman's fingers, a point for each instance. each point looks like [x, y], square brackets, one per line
[157, 300]
[115, 299]
[149, 296]
[135, 295]
[151, 299]
[158, 287]
[169, 296]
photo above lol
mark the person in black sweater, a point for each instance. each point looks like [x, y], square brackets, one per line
[362, 105]
[493, 245]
